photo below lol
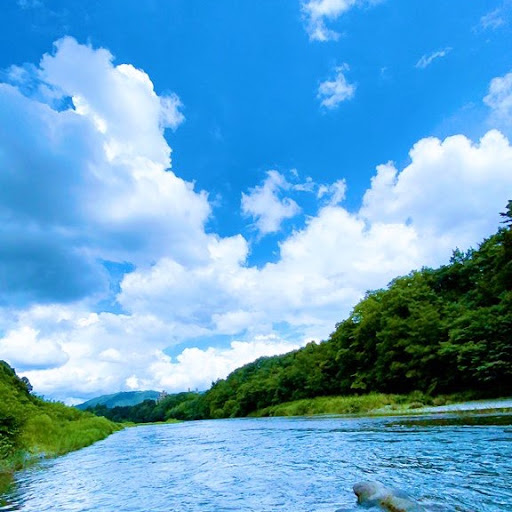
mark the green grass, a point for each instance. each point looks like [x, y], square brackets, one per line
[51, 434]
[31, 428]
[166, 422]
[373, 403]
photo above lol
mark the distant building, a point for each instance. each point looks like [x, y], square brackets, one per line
[161, 396]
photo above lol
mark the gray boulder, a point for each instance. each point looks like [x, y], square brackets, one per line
[375, 494]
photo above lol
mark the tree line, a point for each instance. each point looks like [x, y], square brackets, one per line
[443, 330]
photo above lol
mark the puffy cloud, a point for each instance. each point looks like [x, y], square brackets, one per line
[499, 98]
[264, 204]
[187, 293]
[85, 176]
[449, 191]
[25, 351]
[316, 12]
[446, 197]
[333, 92]
[197, 369]
[426, 60]
[335, 192]
[91, 354]
[67, 351]
[170, 113]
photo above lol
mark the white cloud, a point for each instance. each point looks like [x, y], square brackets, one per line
[333, 92]
[101, 189]
[426, 60]
[499, 99]
[492, 20]
[335, 192]
[445, 190]
[23, 349]
[170, 113]
[446, 197]
[266, 206]
[317, 12]
[197, 369]
[106, 353]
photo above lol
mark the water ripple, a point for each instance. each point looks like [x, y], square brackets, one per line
[272, 465]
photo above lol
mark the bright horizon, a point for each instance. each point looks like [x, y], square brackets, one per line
[186, 187]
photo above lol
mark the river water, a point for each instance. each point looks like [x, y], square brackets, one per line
[276, 464]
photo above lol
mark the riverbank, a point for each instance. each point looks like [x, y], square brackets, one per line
[32, 428]
[48, 435]
[385, 404]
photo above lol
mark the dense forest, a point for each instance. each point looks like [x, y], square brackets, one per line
[31, 427]
[434, 331]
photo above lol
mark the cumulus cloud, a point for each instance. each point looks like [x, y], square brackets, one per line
[197, 369]
[265, 204]
[499, 99]
[317, 12]
[475, 176]
[103, 353]
[426, 60]
[337, 90]
[86, 175]
[446, 197]
[25, 350]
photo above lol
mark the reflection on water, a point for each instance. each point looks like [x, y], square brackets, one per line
[275, 464]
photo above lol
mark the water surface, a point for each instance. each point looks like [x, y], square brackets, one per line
[275, 464]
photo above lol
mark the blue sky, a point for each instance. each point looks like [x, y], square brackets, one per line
[319, 148]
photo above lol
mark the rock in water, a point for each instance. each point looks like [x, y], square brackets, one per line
[371, 494]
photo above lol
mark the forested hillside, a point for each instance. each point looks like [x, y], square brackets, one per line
[31, 427]
[436, 331]
[122, 399]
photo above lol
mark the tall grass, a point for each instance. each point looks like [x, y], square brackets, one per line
[373, 403]
[32, 428]
[47, 436]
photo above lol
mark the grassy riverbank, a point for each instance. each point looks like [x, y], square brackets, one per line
[31, 428]
[373, 403]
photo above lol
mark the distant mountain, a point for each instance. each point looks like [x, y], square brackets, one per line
[122, 399]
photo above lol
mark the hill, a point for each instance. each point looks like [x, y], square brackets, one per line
[122, 399]
[432, 332]
[436, 331]
[31, 427]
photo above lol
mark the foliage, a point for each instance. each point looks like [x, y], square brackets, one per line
[30, 426]
[180, 406]
[371, 403]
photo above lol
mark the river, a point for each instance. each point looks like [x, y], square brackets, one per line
[277, 464]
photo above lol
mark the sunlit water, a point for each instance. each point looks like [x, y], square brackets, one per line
[275, 464]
